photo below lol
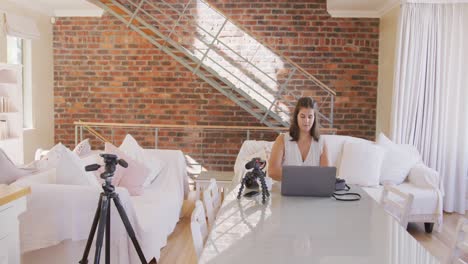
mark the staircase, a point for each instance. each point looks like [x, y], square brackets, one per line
[226, 56]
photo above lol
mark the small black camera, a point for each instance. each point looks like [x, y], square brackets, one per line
[257, 164]
[250, 178]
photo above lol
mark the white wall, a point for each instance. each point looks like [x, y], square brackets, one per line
[387, 50]
[42, 80]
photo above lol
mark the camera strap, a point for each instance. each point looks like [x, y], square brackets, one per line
[341, 194]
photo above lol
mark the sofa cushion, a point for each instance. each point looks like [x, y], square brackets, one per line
[41, 177]
[83, 148]
[398, 160]
[361, 163]
[9, 172]
[425, 200]
[131, 148]
[51, 159]
[71, 171]
[335, 147]
[134, 176]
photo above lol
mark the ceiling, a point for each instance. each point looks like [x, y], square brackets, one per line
[336, 8]
[59, 8]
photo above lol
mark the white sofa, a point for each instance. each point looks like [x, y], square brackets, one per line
[427, 204]
[56, 224]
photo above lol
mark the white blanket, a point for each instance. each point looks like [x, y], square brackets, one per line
[56, 213]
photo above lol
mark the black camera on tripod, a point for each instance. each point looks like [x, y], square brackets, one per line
[250, 178]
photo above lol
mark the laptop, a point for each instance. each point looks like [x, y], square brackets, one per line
[308, 181]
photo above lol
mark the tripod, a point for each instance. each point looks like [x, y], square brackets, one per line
[103, 212]
[250, 178]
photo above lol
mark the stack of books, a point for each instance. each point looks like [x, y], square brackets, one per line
[4, 134]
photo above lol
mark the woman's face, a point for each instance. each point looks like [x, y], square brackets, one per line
[305, 119]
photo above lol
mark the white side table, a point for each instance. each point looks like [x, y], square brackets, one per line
[223, 180]
[12, 204]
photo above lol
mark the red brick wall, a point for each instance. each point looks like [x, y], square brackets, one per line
[341, 52]
[104, 72]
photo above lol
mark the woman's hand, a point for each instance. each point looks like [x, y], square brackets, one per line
[275, 164]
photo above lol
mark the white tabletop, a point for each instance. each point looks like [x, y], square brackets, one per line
[309, 230]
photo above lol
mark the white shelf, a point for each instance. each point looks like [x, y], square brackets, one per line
[9, 139]
[11, 88]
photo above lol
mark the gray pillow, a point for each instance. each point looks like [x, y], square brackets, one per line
[8, 171]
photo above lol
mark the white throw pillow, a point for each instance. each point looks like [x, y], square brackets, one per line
[9, 172]
[398, 160]
[71, 171]
[83, 148]
[131, 147]
[95, 158]
[51, 159]
[361, 163]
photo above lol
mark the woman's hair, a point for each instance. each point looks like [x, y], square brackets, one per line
[304, 102]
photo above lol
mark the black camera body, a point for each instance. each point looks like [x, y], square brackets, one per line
[250, 179]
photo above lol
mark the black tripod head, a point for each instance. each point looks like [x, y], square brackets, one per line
[110, 165]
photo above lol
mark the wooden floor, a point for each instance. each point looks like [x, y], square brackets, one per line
[180, 249]
[437, 243]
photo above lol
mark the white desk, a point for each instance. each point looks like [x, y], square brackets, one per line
[309, 230]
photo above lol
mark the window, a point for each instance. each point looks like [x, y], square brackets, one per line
[14, 50]
[18, 52]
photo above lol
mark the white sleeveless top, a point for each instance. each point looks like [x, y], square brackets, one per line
[292, 154]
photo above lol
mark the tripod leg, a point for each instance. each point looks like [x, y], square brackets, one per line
[100, 233]
[264, 189]
[264, 186]
[129, 228]
[241, 188]
[108, 223]
[84, 260]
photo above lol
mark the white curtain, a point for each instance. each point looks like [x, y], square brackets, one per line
[430, 98]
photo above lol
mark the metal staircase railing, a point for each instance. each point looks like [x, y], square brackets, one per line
[221, 53]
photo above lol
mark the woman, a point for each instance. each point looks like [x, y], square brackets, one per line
[302, 146]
